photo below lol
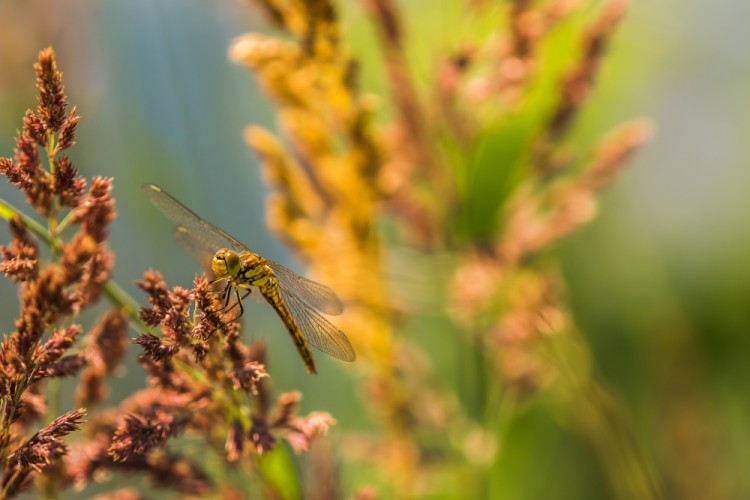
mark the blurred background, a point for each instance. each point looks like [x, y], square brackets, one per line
[659, 282]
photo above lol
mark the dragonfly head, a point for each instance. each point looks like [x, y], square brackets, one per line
[225, 263]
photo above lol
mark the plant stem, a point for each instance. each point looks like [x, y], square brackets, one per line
[7, 417]
[112, 290]
[52, 219]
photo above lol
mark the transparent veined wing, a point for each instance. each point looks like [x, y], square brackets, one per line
[196, 246]
[317, 296]
[183, 217]
[316, 329]
[202, 239]
[203, 250]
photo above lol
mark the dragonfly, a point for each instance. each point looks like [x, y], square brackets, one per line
[297, 301]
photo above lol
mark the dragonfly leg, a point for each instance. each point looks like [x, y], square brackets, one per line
[213, 282]
[223, 293]
[239, 301]
[226, 296]
[220, 292]
[225, 309]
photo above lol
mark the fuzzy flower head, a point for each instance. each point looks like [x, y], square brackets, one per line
[19, 259]
[52, 129]
[41, 450]
[137, 434]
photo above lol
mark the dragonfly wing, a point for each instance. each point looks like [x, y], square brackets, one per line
[316, 329]
[317, 296]
[201, 250]
[183, 217]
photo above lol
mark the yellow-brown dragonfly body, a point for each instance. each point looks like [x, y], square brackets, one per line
[295, 299]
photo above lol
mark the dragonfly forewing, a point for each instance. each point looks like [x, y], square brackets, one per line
[183, 217]
[196, 246]
[317, 296]
[316, 329]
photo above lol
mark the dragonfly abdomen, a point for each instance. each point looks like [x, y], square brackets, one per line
[270, 291]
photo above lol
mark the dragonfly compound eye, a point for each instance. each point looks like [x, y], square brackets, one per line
[225, 263]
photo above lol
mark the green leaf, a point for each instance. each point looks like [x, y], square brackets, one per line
[277, 469]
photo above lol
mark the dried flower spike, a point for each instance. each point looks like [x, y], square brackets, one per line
[40, 451]
[52, 102]
[138, 434]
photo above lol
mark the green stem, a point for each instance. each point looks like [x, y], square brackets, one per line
[65, 221]
[112, 290]
[121, 298]
[7, 211]
[6, 429]
[53, 398]
[9, 483]
[50, 487]
[15, 400]
[52, 219]
[51, 151]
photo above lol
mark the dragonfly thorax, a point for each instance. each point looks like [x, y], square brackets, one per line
[226, 263]
[253, 272]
